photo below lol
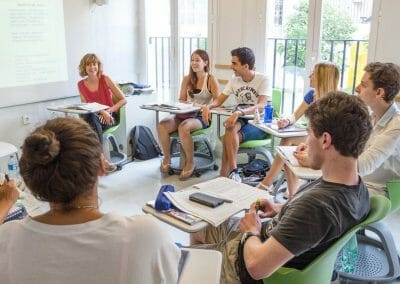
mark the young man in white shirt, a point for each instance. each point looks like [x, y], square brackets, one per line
[249, 88]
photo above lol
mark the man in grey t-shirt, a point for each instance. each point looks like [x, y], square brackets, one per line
[318, 214]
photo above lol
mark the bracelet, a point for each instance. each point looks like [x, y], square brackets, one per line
[247, 235]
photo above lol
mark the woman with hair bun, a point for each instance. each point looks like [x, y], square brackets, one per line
[74, 242]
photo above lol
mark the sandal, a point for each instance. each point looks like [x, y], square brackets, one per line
[186, 174]
[270, 188]
[110, 168]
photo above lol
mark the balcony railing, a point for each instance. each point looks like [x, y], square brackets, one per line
[285, 63]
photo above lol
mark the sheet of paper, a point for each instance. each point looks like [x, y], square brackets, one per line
[241, 194]
[287, 152]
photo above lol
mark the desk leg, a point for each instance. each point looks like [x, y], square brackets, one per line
[157, 118]
[219, 125]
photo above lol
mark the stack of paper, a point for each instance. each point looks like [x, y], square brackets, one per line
[241, 194]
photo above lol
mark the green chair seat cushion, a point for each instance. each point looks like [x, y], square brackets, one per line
[255, 143]
[197, 132]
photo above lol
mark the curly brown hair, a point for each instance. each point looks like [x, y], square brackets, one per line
[385, 76]
[87, 59]
[61, 160]
[345, 118]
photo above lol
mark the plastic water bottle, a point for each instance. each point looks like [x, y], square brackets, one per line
[349, 255]
[256, 116]
[268, 112]
[12, 166]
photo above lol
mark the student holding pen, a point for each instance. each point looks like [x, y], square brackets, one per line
[8, 196]
[323, 79]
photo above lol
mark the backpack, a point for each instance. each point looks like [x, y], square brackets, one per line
[143, 144]
[256, 167]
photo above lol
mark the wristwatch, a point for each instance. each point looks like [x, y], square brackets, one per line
[247, 235]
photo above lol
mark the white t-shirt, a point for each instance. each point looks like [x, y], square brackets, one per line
[112, 249]
[247, 92]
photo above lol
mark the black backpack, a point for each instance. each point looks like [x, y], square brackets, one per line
[143, 144]
[257, 167]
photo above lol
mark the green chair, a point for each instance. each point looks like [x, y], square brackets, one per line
[378, 260]
[254, 147]
[393, 188]
[111, 146]
[321, 269]
[204, 156]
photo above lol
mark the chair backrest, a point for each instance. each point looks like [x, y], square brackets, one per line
[277, 101]
[320, 269]
[393, 187]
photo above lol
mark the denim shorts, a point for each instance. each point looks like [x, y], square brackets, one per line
[250, 132]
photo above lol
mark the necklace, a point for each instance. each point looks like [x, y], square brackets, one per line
[86, 206]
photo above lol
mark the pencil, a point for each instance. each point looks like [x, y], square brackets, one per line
[7, 177]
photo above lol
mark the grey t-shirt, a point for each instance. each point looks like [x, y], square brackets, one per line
[317, 216]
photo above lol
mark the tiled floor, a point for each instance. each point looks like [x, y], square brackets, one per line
[128, 190]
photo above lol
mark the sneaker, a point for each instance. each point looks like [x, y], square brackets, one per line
[252, 179]
[235, 175]
[270, 188]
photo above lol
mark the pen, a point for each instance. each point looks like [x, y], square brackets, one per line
[226, 200]
[7, 177]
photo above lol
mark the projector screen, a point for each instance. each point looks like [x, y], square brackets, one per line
[33, 49]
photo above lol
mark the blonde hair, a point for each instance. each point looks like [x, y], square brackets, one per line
[326, 75]
[86, 60]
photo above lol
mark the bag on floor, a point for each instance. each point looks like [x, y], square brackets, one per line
[256, 167]
[143, 144]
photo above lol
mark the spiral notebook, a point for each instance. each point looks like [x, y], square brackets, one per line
[17, 212]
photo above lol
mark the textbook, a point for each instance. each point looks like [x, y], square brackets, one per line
[180, 215]
[17, 212]
[88, 107]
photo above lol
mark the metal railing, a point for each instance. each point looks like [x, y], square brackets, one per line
[285, 63]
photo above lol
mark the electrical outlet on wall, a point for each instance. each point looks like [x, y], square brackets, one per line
[26, 119]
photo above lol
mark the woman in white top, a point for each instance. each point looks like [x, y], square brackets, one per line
[74, 242]
[197, 88]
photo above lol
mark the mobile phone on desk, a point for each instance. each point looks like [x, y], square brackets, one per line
[205, 199]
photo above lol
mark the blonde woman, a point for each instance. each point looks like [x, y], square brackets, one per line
[323, 79]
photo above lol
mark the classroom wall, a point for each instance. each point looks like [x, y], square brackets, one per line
[384, 40]
[112, 32]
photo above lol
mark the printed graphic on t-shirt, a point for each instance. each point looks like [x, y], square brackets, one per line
[246, 95]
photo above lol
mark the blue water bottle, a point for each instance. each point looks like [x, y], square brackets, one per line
[268, 112]
[349, 255]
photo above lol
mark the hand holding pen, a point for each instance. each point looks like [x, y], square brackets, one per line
[301, 154]
[8, 191]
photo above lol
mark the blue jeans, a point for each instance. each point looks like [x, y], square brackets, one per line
[250, 132]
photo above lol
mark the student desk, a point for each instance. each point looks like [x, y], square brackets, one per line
[225, 111]
[168, 108]
[299, 171]
[241, 194]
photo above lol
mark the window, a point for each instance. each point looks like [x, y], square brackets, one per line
[292, 50]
